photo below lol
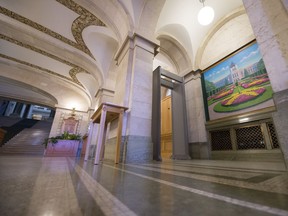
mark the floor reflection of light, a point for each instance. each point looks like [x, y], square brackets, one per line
[48, 213]
[36, 133]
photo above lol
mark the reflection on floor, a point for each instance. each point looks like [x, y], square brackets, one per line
[65, 186]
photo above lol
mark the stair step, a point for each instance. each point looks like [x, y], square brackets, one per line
[28, 141]
[23, 153]
[23, 148]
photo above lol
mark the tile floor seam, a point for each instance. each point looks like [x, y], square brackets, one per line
[255, 186]
[105, 201]
[43, 187]
[223, 172]
[240, 169]
[242, 203]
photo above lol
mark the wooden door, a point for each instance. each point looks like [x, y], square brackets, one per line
[166, 128]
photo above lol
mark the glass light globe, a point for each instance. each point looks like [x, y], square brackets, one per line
[206, 15]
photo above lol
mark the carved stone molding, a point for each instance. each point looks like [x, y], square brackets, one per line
[35, 66]
[76, 69]
[85, 19]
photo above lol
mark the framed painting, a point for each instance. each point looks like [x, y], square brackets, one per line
[237, 84]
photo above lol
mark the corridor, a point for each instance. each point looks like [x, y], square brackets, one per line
[65, 186]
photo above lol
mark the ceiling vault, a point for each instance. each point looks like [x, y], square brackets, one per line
[76, 69]
[34, 66]
[85, 19]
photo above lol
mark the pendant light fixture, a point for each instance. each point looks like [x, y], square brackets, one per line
[206, 14]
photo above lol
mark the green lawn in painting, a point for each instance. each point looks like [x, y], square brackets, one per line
[262, 98]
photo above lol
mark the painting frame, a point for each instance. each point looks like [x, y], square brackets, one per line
[236, 84]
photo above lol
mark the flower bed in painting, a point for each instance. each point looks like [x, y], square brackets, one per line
[244, 96]
[253, 83]
[223, 94]
[265, 96]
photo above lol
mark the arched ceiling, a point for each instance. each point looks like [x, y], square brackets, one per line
[60, 39]
[25, 93]
[66, 48]
[178, 19]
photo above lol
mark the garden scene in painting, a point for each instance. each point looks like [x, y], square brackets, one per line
[238, 83]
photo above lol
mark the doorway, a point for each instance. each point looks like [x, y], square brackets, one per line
[169, 80]
[166, 123]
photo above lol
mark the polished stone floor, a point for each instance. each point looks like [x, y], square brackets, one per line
[68, 186]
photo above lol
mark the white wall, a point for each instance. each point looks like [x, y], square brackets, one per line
[228, 38]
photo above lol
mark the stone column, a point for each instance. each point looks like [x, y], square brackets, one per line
[23, 110]
[88, 144]
[17, 109]
[10, 108]
[3, 107]
[52, 114]
[134, 90]
[27, 109]
[101, 135]
[198, 145]
[30, 113]
[269, 20]
[93, 141]
[103, 95]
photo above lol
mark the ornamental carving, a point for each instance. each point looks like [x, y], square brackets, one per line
[85, 19]
[76, 69]
[34, 66]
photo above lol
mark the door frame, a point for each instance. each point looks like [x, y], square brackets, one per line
[174, 82]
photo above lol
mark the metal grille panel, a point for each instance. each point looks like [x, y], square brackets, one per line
[273, 136]
[250, 138]
[221, 140]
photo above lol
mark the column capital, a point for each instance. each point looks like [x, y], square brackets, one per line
[133, 40]
[104, 91]
[192, 75]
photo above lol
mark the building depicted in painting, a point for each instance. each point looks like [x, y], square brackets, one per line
[251, 69]
[236, 74]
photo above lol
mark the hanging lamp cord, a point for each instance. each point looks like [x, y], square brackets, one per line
[202, 1]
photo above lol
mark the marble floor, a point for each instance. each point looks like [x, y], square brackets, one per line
[68, 186]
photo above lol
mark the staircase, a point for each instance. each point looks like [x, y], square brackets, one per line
[28, 141]
[17, 128]
[6, 121]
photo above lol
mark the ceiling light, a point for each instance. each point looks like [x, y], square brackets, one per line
[206, 14]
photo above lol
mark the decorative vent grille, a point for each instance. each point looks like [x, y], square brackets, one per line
[250, 138]
[221, 140]
[273, 135]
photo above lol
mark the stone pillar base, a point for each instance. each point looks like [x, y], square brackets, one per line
[91, 152]
[199, 150]
[181, 157]
[137, 149]
[134, 149]
[280, 118]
